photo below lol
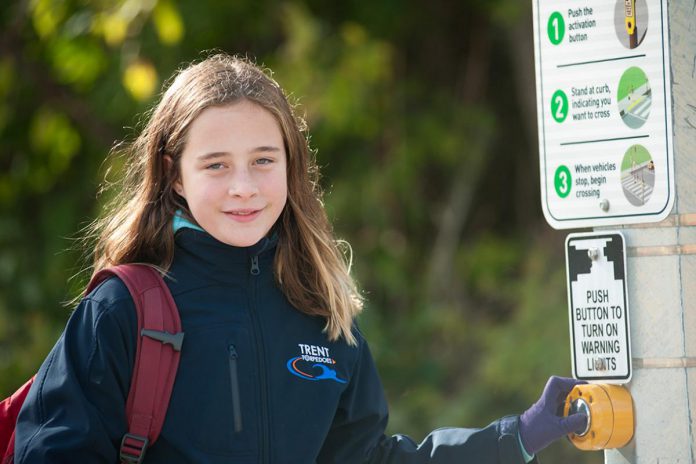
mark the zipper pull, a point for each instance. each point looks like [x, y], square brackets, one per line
[234, 386]
[255, 265]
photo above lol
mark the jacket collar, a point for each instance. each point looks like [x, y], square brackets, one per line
[208, 256]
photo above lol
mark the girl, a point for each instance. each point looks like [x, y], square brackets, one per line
[223, 196]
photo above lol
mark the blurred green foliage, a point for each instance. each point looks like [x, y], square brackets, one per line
[422, 115]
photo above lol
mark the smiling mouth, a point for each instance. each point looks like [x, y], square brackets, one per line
[243, 215]
[243, 212]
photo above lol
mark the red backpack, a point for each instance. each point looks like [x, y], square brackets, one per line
[156, 361]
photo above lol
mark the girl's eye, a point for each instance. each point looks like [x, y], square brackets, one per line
[214, 166]
[264, 161]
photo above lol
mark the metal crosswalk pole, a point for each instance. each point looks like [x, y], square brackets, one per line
[661, 268]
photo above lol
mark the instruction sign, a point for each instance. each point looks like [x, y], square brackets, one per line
[604, 111]
[598, 306]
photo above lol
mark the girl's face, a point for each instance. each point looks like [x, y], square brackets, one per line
[233, 172]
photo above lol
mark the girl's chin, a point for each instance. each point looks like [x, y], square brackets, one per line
[240, 242]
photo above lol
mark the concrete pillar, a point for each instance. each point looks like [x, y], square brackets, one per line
[661, 266]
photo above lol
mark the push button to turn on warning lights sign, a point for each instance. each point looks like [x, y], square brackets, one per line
[598, 310]
[598, 324]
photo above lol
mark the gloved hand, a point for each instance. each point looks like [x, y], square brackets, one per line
[544, 423]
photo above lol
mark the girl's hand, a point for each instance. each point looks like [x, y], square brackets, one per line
[543, 423]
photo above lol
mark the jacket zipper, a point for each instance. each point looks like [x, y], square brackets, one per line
[265, 433]
[255, 265]
[234, 385]
[254, 272]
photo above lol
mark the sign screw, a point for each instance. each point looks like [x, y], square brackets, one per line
[604, 204]
[593, 253]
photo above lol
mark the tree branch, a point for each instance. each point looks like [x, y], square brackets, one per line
[456, 210]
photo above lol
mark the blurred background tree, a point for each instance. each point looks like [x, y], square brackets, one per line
[424, 121]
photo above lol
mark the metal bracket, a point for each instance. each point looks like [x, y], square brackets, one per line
[176, 340]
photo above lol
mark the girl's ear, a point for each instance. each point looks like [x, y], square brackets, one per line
[169, 165]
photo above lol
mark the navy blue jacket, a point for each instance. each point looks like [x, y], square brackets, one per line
[258, 381]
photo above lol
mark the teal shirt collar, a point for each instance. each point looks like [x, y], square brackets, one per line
[181, 222]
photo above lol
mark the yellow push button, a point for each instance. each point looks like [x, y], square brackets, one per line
[630, 9]
[609, 409]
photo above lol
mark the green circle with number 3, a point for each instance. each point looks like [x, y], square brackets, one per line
[562, 181]
[556, 28]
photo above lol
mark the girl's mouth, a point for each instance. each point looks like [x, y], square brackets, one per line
[243, 215]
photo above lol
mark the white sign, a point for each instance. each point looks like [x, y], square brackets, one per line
[604, 111]
[598, 306]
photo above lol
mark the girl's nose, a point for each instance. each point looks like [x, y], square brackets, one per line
[242, 185]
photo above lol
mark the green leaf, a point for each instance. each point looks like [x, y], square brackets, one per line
[47, 15]
[77, 61]
[168, 22]
[54, 142]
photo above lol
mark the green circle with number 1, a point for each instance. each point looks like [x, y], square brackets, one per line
[556, 28]
[562, 181]
[559, 106]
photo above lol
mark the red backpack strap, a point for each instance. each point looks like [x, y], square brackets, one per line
[9, 410]
[157, 355]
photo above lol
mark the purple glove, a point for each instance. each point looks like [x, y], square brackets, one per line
[544, 423]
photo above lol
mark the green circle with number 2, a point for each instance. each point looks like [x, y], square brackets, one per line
[559, 106]
[562, 181]
[556, 28]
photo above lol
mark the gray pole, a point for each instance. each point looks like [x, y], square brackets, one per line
[661, 266]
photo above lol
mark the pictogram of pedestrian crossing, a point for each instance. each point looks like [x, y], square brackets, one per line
[642, 108]
[638, 184]
[635, 107]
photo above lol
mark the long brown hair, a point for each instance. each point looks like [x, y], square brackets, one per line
[310, 265]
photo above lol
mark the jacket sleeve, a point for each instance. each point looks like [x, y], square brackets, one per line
[75, 410]
[357, 433]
